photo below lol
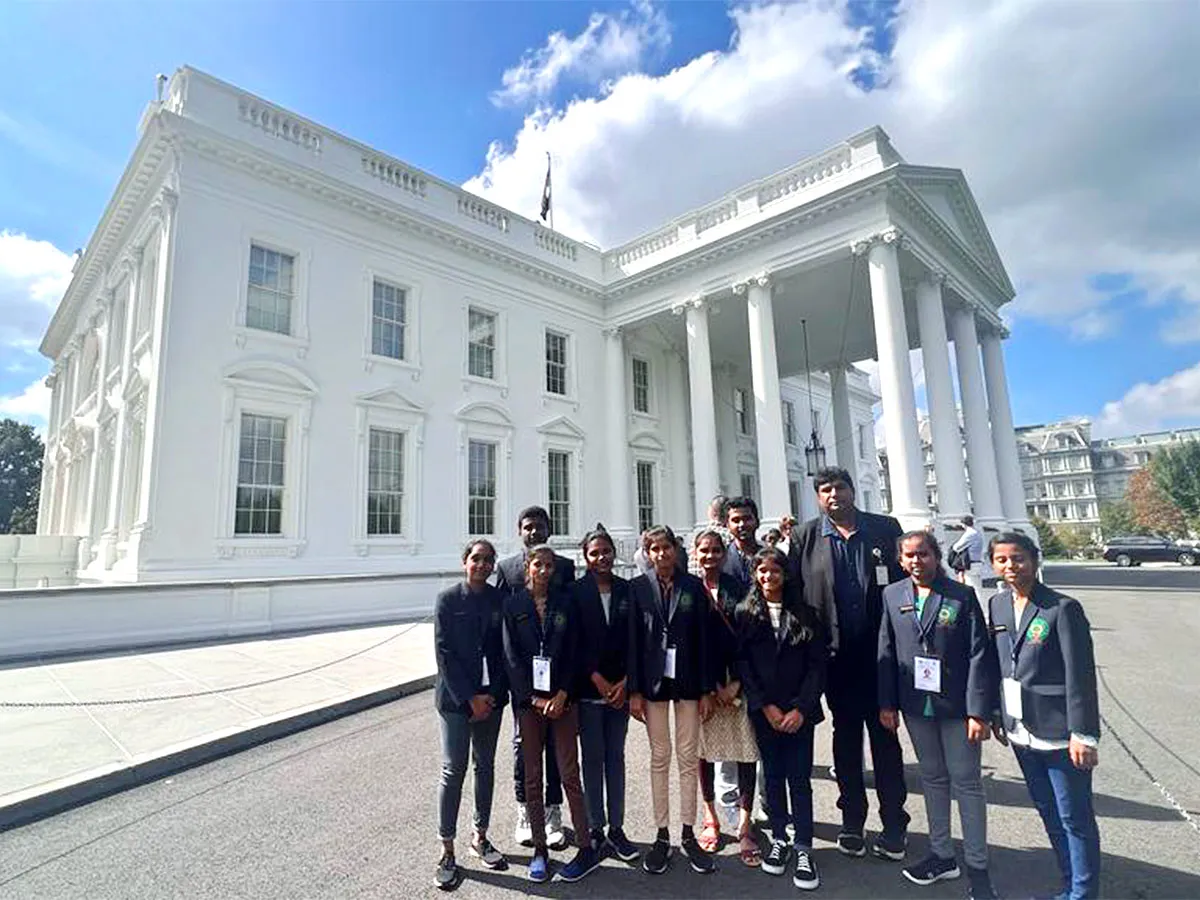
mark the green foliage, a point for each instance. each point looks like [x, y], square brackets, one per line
[1075, 541]
[1117, 518]
[1052, 545]
[21, 453]
[1152, 509]
[1176, 472]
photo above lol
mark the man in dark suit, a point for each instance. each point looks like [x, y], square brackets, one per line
[534, 526]
[842, 560]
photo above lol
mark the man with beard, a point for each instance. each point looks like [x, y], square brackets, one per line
[741, 518]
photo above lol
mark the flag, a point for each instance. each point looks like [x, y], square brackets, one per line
[546, 191]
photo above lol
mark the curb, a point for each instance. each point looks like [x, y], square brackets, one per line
[102, 784]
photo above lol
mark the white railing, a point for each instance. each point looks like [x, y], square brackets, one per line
[555, 243]
[279, 124]
[656, 242]
[474, 208]
[391, 172]
[804, 175]
[716, 215]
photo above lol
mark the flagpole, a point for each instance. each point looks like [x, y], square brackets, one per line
[549, 183]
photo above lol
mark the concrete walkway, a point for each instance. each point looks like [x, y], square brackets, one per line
[73, 730]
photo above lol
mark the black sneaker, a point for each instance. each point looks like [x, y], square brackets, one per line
[981, 885]
[482, 848]
[700, 861]
[446, 876]
[893, 847]
[931, 869]
[625, 849]
[851, 843]
[806, 877]
[776, 860]
[730, 797]
[658, 859]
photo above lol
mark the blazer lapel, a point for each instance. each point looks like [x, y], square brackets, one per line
[930, 610]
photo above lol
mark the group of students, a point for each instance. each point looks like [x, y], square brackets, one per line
[739, 652]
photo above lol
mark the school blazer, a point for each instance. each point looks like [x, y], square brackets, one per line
[722, 630]
[604, 645]
[956, 633]
[810, 564]
[782, 670]
[650, 632]
[510, 573]
[525, 637]
[467, 628]
[1054, 661]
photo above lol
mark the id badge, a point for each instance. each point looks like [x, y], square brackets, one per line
[541, 673]
[669, 665]
[927, 674]
[1010, 693]
[882, 578]
[486, 681]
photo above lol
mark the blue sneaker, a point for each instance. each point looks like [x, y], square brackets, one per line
[584, 862]
[539, 868]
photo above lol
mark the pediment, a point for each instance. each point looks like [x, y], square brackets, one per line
[391, 398]
[561, 426]
[646, 440]
[269, 373]
[485, 413]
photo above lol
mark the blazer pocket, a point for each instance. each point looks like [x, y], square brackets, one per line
[1048, 690]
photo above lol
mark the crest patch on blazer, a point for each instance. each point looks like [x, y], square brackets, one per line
[947, 615]
[1037, 631]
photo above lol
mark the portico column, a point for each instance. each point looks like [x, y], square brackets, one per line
[45, 493]
[768, 410]
[620, 480]
[101, 324]
[843, 429]
[905, 467]
[981, 457]
[112, 520]
[727, 451]
[705, 464]
[1004, 437]
[939, 389]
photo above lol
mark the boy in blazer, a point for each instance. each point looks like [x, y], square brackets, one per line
[938, 665]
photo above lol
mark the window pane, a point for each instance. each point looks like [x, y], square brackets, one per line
[481, 343]
[385, 482]
[269, 291]
[481, 487]
[641, 385]
[556, 363]
[258, 508]
[558, 465]
[645, 495]
[389, 307]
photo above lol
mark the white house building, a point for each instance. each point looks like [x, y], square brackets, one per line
[286, 354]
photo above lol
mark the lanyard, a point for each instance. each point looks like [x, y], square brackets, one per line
[920, 627]
[544, 625]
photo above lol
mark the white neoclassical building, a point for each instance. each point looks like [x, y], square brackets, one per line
[286, 354]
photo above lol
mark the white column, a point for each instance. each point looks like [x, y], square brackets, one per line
[705, 463]
[45, 492]
[102, 324]
[727, 433]
[678, 511]
[620, 478]
[905, 466]
[1004, 436]
[116, 490]
[843, 425]
[943, 413]
[981, 458]
[768, 410]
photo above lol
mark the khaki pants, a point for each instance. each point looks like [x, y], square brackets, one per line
[687, 738]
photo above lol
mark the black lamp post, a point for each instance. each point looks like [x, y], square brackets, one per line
[814, 451]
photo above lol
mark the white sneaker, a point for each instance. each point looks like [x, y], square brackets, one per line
[555, 839]
[523, 834]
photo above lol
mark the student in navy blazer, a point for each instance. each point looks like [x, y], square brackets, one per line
[1051, 708]
[470, 692]
[937, 665]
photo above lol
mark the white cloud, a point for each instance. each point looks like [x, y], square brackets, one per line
[31, 405]
[608, 45]
[33, 276]
[1153, 407]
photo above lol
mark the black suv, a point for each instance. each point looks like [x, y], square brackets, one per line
[1134, 550]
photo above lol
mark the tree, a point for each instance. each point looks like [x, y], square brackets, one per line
[1152, 509]
[1074, 541]
[1116, 518]
[21, 452]
[1051, 545]
[1176, 471]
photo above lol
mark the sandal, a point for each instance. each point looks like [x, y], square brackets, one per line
[750, 853]
[710, 838]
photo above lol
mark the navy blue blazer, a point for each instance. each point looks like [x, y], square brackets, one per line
[510, 573]
[951, 628]
[785, 669]
[526, 637]
[1050, 652]
[604, 645]
[650, 633]
[467, 628]
[722, 630]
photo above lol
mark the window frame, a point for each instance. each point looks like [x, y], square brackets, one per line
[789, 422]
[487, 421]
[552, 503]
[301, 255]
[568, 368]
[413, 290]
[633, 386]
[238, 484]
[499, 377]
[494, 447]
[653, 483]
[389, 410]
[742, 416]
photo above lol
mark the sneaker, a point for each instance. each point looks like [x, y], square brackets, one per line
[760, 815]
[658, 859]
[625, 849]
[890, 846]
[730, 797]
[981, 885]
[555, 839]
[776, 860]
[700, 861]
[539, 868]
[586, 859]
[446, 876]
[806, 877]
[523, 834]
[931, 869]
[851, 843]
[482, 848]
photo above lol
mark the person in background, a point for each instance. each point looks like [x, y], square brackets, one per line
[668, 668]
[741, 518]
[787, 524]
[773, 538]
[533, 525]
[470, 692]
[541, 650]
[938, 665]
[602, 600]
[970, 544]
[1050, 706]
[781, 654]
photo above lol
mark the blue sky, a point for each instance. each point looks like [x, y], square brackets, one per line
[1078, 159]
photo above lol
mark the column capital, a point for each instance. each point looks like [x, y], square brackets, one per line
[613, 331]
[935, 276]
[761, 279]
[888, 236]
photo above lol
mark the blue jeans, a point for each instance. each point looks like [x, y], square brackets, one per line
[602, 731]
[461, 736]
[1063, 797]
[787, 769]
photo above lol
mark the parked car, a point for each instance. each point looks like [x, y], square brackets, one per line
[1134, 550]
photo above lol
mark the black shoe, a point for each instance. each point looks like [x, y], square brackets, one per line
[658, 859]
[851, 843]
[730, 797]
[700, 861]
[599, 843]
[625, 849]
[776, 860]
[806, 877]
[930, 869]
[446, 875]
[893, 847]
[981, 885]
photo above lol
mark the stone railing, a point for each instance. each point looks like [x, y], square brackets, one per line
[37, 560]
[555, 243]
[391, 172]
[279, 124]
[660, 240]
[716, 215]
[474, 208]
[804, 175]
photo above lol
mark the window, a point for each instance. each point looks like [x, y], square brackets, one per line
[481, 348]
[260, 479]
[385, 482]
[269, 296]
[747, 484]
[866, 502]
[558, 465]
[389, 319]
[556, 363]
[641, 385]
[481, 487]
[789, 422]
[740, 404]
[645, 495]
[794, 498]
[862, 441]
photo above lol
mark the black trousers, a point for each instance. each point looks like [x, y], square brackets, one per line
[851, 694]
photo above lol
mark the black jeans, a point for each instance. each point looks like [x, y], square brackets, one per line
[747, 775]
[787, 769]
[602, 732]
[851, 694]
[554, 792]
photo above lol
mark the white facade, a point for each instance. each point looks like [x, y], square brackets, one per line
[228, 402]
